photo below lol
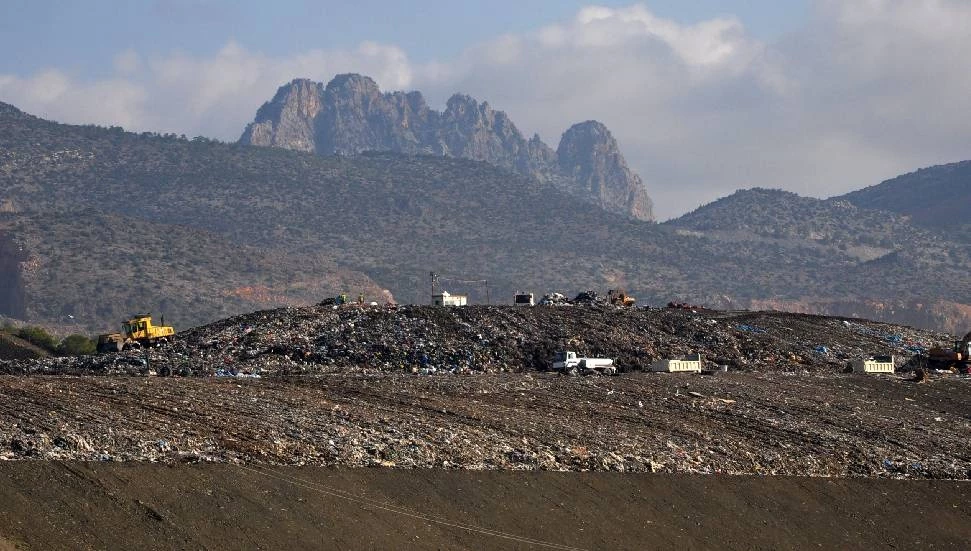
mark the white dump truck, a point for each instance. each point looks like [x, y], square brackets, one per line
[568, 362]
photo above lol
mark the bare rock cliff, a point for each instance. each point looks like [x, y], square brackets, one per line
[590, 156]
[351, 115]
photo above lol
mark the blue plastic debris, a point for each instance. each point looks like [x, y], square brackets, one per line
[749, 328]
[821, 349]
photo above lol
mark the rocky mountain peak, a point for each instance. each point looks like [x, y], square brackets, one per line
[589, 153]
[460, 104]
[351, 115]
[286, 120]
[353, 83]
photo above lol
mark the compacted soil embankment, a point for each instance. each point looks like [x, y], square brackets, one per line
[58, 505]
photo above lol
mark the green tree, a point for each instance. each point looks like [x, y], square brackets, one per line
[76, 345]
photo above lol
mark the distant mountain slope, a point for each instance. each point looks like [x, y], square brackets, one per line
[91, 270]
[937, 197]
[351, 115]
[397, 217]
[875, 254]
[834, 224]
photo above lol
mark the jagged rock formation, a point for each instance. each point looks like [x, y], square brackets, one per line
[589, 154]
[351, 115]
[287, 121]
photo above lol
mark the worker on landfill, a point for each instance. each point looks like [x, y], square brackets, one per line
[360, 299]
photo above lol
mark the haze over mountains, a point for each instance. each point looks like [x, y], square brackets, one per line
[351, 115]
[99, 223]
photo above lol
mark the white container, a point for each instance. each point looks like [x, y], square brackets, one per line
[880, 364]
[690, 365]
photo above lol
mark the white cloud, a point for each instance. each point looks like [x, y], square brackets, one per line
[52, 94]
[865, 90]
[213, 96]
[127, 62]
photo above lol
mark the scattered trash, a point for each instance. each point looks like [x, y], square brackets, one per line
[328, 338]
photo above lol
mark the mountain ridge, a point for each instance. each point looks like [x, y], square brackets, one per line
[395, 217]
[935, 197]
[351, 115]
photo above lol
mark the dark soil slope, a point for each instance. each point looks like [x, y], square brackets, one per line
[15, 348]
[142, 506]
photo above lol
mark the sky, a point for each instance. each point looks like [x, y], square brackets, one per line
[818, 97]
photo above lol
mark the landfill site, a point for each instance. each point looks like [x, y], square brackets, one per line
[469, 428]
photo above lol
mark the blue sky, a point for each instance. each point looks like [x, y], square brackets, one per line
[83, 36]
[818, 97]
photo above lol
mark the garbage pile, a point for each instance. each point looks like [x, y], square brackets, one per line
[589, 297]
[729, 423]
[466, 387]
[330, 338]
[554, 299]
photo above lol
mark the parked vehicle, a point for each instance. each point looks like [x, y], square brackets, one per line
[568, 362]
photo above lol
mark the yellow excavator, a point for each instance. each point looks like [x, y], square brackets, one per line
[136, 332]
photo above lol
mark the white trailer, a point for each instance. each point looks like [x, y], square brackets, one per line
[874, 364]
[568, 362]
[692, 364]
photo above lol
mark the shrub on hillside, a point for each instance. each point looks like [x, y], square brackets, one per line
[38, 336]
[76, 345]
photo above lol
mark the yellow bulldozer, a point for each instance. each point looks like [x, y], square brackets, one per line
[136, 332]
[618, 297]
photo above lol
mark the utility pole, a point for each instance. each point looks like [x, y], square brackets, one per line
[487, 292]
[434, 282]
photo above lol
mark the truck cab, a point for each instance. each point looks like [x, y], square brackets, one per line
[562, 357]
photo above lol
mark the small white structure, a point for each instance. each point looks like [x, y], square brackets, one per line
[523, 299]
[691, 364]
[446, 299]
[874, 364]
